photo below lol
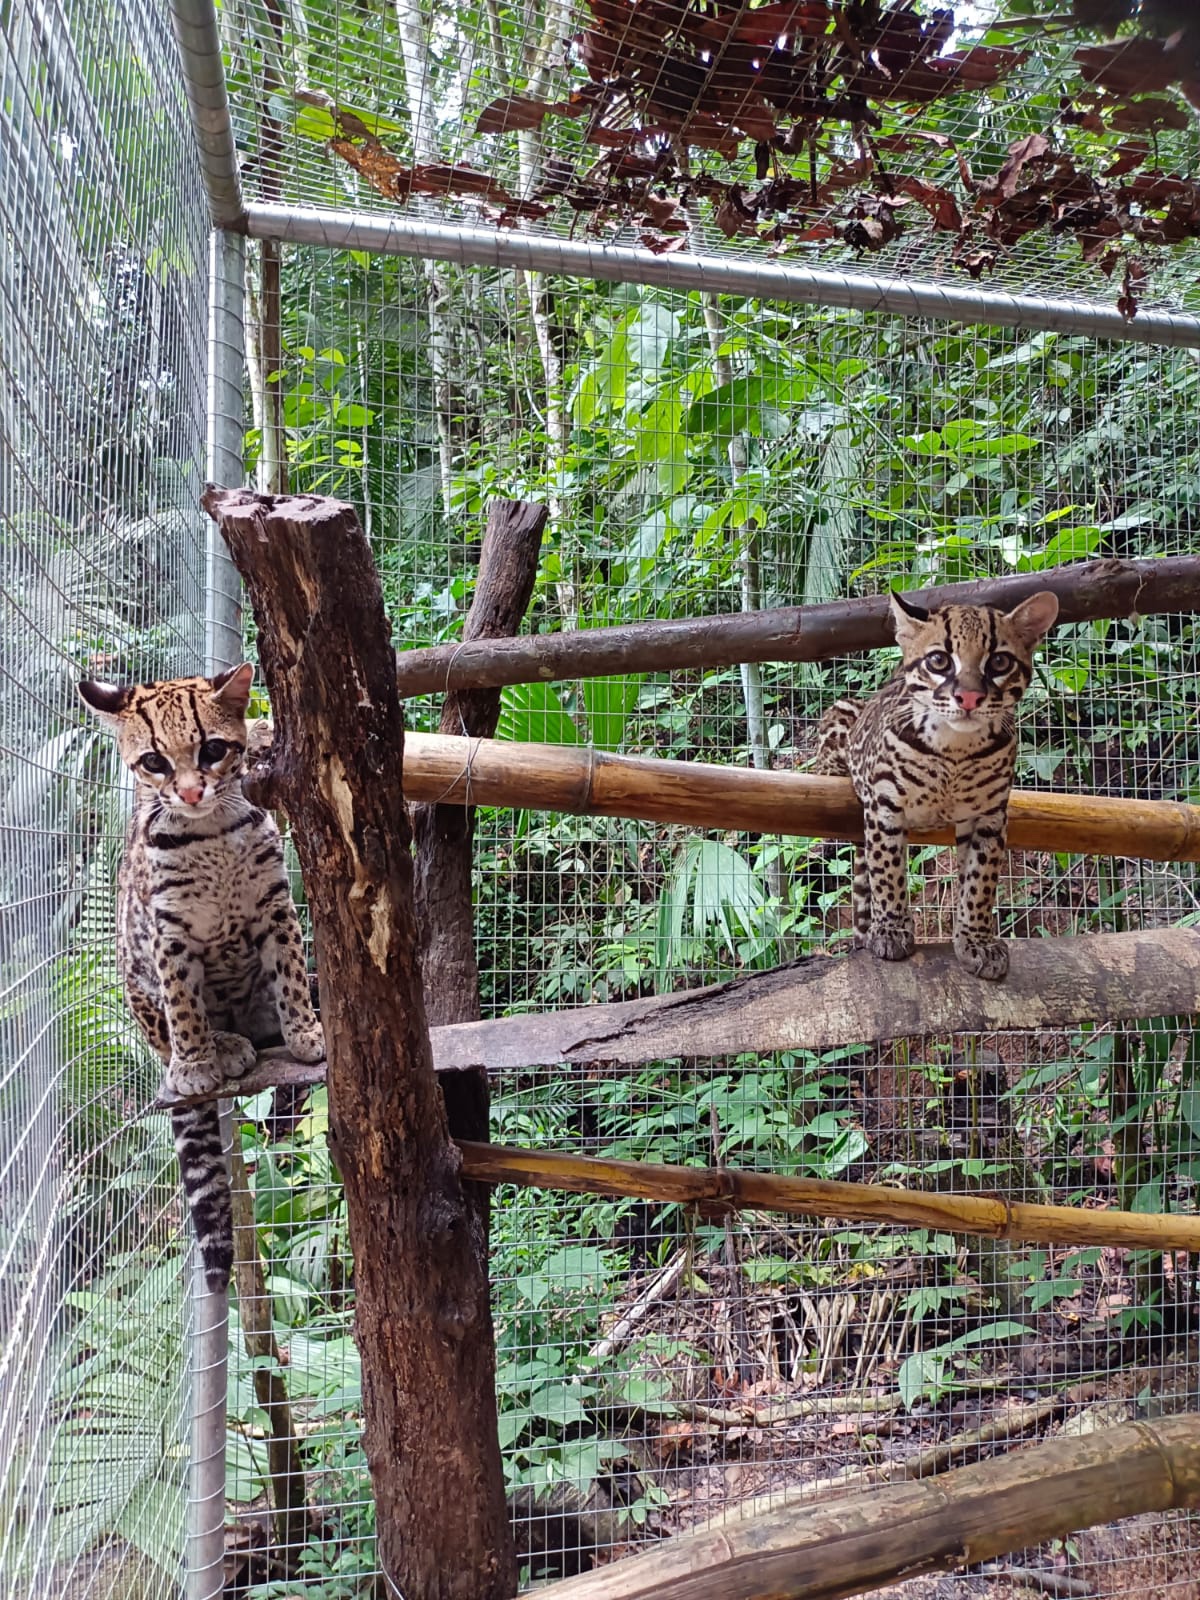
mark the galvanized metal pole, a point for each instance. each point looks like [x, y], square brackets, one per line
[209, 1346]
[226, 379]
[718, 274]
[195, 24]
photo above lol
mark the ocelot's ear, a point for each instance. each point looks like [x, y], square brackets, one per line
[232, 688]
[1034, 617]
[107, 700]
[905, 618]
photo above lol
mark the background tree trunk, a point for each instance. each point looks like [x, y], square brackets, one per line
[443, 835]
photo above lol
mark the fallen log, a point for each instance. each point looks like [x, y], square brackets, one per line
[589, 782]
[1085, 590]
[955, 1520]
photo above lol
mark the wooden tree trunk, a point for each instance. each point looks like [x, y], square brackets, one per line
[423, 1322]
[826, 1552]
[443, 835]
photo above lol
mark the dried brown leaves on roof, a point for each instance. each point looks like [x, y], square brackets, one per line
[836, 107]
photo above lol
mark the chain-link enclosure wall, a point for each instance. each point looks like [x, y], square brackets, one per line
[656, 1366]
[103, 254]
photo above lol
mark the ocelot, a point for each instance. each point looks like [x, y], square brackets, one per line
[936, 746]
[208, 942]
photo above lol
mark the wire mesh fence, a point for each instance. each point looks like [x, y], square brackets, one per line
[657, 1365]
[876, 138]
[102, 295]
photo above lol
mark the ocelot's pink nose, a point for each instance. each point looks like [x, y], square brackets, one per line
[968, 699]
[191, 797]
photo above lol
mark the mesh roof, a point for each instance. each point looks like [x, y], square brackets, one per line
[1038, 155]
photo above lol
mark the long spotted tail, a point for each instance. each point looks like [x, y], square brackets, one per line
[197, 1131]
[833, 735]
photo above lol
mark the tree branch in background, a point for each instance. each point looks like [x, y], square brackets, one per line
[285, 1468]
[1085, 590]
[443, 835]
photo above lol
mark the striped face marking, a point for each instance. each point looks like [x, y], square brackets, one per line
[184, 740]
[965, 667]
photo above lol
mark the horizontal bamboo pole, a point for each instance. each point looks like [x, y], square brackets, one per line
[959, 1518]
[587, 782]
[733, 1189]
[737, 1190]
[1085, 590]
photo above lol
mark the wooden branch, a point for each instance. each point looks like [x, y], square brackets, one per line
[1086, 589]
[443, 834]
[592, 783]
[824, 1003]
[422, 1318]
[858, 1542]
[973, 1214]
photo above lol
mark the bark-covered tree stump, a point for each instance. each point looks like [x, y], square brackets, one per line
[423, 1322]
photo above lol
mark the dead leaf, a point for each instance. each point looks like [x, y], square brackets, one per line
[1149, 115]
[1131, 66]
[1130, 155]
[1032, 148]
[511, 112]
[661, 244]
[1132, 282]
[940, 203]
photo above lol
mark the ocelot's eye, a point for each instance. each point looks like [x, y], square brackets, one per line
[999, 663]
[938, 661]
[153, 762]
[212, 751]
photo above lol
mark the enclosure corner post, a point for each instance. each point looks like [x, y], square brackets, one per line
[422, 1317]
[208, 1349]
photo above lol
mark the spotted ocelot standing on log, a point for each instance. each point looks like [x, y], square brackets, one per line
[208, 941]
[936, 746]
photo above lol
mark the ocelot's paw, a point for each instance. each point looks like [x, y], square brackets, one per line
[235, 1053]
[891, 940]
[981, 954]
[305, 1040]
[194, 1074]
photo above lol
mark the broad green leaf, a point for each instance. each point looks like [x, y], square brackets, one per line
[917, 1374]
[610, 702]
[1069, 544]
[532, 713]
[757, 405]
[603, 386]
[1009, 444]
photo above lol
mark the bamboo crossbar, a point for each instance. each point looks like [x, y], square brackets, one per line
[588, 782]
[729, 1188]
[1085, 590]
